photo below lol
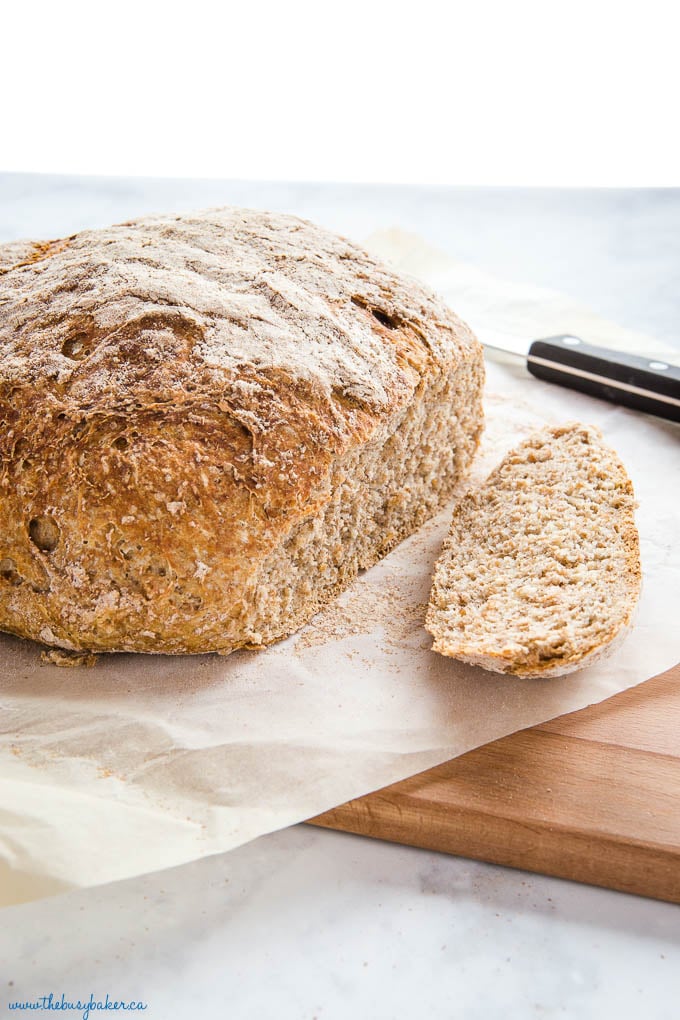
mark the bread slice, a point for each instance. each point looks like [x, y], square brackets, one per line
[541, 568]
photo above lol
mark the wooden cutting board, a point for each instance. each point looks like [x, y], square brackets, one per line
[592, 796]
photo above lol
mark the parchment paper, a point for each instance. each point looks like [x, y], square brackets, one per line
[144, 762]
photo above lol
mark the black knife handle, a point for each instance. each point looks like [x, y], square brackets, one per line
[647, 384]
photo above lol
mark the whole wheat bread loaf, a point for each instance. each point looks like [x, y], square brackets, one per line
[211, 423]
[541, 568]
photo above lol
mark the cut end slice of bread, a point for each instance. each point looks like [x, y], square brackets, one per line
[540, 572]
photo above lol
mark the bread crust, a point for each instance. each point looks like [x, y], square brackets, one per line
[181, 395]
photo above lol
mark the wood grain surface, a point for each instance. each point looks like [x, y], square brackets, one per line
[592, 796]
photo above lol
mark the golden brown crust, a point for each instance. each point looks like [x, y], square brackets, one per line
[174, 394]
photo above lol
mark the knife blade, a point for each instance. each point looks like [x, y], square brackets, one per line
[651, 385]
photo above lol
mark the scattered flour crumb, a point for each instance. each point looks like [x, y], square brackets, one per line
[370, 608]
[69, 660]
[201, 570]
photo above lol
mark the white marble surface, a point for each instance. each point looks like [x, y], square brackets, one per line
[307, 923]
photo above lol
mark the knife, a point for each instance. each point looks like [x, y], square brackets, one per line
[646, 384]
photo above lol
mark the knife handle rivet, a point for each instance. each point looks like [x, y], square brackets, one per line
[571, 341]
[660, 366]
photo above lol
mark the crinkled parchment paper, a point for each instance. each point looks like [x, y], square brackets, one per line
[145, 762]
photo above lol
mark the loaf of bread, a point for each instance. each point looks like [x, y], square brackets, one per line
[210, 424]
[541, 568]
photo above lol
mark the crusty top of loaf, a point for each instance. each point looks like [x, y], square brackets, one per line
[297, 335]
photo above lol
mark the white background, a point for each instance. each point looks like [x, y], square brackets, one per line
[583, 92]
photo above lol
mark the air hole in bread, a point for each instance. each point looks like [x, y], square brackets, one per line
[81, 339]
[9, 572]
[76, 347]
[384, 318]
[391, 321]
[43, 532]
[155, 568]
[121, 443]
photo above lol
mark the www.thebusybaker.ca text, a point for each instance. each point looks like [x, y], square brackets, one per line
[84, 1007]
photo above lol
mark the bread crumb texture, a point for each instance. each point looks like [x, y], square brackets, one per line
[210, 423]
[541, 569]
